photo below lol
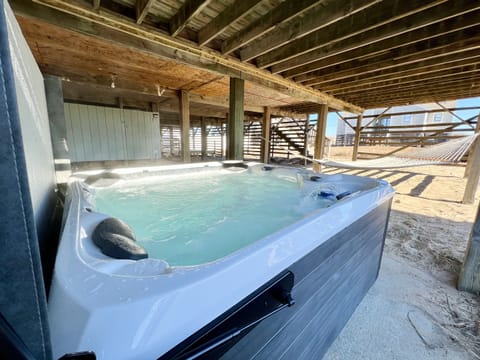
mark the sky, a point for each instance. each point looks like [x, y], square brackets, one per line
[466, 114]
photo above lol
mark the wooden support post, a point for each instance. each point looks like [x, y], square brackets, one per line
[225, 137]
[235, 120]
[474, 175]
[469, 279]
[265, 147]
[185, 125]
[203, 124]
[156, 116]
[222, 146]
[305, 140]
[470, 153]
[358, 130]
[124, 124]
[170, 133]
[320, 136]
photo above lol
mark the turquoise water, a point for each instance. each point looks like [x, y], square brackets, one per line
[200, 217]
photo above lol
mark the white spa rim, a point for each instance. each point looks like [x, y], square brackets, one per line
[125, 309]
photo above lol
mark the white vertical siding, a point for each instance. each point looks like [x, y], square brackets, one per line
[96, 133]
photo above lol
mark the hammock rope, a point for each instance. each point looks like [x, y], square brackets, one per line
[448, 152]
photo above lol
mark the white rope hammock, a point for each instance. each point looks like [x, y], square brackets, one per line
[448, 152]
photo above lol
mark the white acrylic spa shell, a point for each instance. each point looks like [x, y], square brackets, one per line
[124, 309]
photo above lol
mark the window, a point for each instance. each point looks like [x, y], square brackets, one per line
[385, 121]
[407, 119]
[437, 118]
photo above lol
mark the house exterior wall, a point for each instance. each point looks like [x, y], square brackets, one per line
[404, 120]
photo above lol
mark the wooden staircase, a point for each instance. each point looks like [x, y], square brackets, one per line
[287, 138]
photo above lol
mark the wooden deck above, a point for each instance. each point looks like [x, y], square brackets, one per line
[293, 55]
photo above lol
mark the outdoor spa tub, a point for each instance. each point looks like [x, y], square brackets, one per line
[245, 260]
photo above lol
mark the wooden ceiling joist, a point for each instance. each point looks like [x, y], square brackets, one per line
[231, 14]
[419, 98]
[427, 69]
[327, 13]
[453, 43]
[284, 12]
[401, 113]
[142, 7]
[335, 54]
[417, 80]
[114, 28]
[426, 97]
[351, 36]
[393, 66]
[412, 90]
[187, 12]
[410, 85]
[380, 14]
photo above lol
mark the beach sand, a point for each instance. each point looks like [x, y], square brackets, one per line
[426, 240]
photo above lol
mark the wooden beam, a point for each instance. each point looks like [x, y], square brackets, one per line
[142, 7]
[101, 93]
[450, 112]
[265, 147]
[356, 143]
[401, 113]
[320, 17]
[390, 60]
[306, 130]
[402, 72]
[447, 32]
[379, 116]
[203, 128]
[116, 29]
[231, 14]
[187, 12]
[469, 279]
[380, 14]
[97, 86]
[419, 99]
[401, 102]
[470, 153]
[433, 88]
[344, 119]
[283, 12]
[446, 75]
[364, 37]
[320, 137]
[222, 102]
[413, 96]
[474, 174]
[235, 119]
[395, 67]
[185, 125]
[450, 71]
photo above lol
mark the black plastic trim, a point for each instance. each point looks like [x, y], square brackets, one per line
[217, 337]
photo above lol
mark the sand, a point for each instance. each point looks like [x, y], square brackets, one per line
[426, 240]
